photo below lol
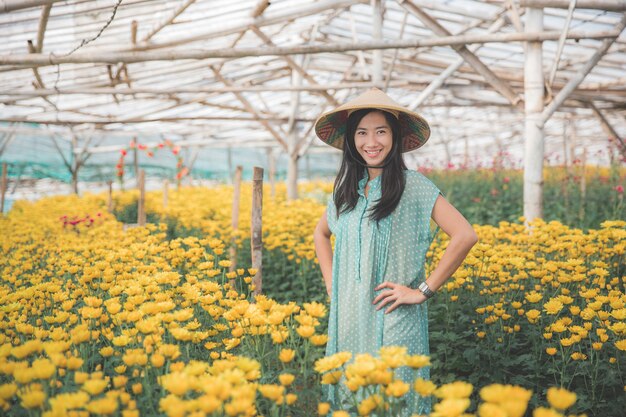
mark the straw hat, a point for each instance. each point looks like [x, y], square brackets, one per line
[330, 127]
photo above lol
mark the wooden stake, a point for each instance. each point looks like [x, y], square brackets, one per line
[234, 222]
[3, 187]
[141, 203]
[110, 197]
[166, 186]
[256, 238]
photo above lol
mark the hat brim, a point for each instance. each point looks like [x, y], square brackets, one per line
[330, 127]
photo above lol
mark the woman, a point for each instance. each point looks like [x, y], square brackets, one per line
[380, 215]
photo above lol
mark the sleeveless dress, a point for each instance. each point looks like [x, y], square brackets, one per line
[365, 255]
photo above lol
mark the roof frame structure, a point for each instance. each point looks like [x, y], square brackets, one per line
[192, 66]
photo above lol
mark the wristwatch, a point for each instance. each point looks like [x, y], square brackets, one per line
[425, 289]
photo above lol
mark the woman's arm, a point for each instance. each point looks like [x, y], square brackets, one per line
[462, 238]
[324, 250]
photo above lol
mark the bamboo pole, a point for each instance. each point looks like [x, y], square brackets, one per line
[441, 78]
[168, 20]
[256, 238]
[559, 50]
[234, 222]
[250, 108]
[472, 60]
[377, 34]
[141, 203]
[166, 186]
[11, 5]
[296, 67]
[3, 187]
[580, 75]
[98, 121]
[612, 5]
[610, 131]
[533, 131]
[201, 54]
[199, 90]
[110, 196]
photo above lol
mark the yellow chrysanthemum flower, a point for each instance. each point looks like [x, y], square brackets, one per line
[560, 398]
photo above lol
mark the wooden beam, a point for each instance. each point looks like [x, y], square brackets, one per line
[610, 5]
[11, 5]
[491, 78]
[377, 35]
[62, 121]
[251, 109]
[197, 53]
[580, 75]
[395, 53]
[168, 21]
[260, 8]
[514, 15]
[608, 129]
[294, 66]
[239, 25]
[200, 90]
[441, 78]
[41, 29]
[559, 50]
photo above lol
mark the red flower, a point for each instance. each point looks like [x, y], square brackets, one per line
[161, 146]
[506, 180]
[619, 189]
[123, 152]
[150, 154]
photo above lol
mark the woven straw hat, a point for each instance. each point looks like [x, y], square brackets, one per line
[330, 127]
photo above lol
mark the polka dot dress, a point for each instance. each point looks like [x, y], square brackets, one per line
[367, 254]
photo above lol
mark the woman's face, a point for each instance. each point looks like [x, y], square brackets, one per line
[373, 138]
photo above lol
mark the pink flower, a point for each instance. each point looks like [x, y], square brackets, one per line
[619, 189]
[123, 152]
[506, 180]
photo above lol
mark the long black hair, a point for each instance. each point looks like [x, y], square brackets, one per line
[353, 168]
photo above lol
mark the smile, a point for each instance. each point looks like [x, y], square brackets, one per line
[374, 152]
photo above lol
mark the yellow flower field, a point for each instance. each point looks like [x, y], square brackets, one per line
[100, 319]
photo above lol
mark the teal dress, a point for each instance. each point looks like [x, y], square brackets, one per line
[365, 255]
